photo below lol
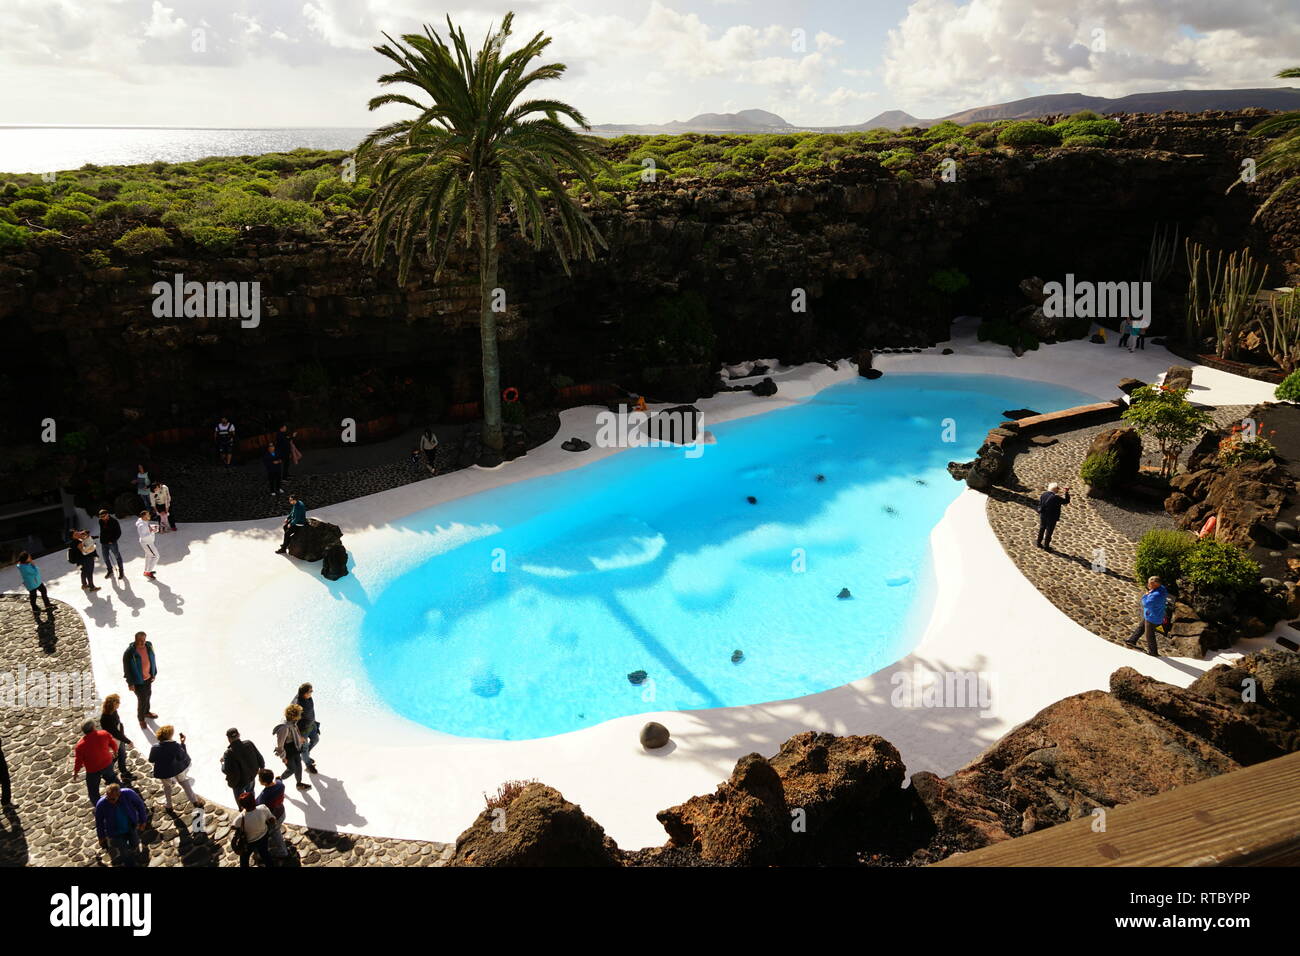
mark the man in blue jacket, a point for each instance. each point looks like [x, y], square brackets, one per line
[139, 668]
[295, 522]
[120, 817]
[1154, 603]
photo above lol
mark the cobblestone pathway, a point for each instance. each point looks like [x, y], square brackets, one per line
[1106, 603]
[51, 822]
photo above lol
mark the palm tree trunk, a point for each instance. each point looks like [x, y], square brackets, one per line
[487, 235]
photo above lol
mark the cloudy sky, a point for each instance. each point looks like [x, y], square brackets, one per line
[310, 62]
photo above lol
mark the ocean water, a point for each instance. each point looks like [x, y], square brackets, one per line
[39, 149]
[539, 598]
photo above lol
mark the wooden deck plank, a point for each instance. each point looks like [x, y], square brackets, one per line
[1249, 817]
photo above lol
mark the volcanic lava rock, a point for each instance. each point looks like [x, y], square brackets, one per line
[654, 735]
[541, 829]
[309, 543]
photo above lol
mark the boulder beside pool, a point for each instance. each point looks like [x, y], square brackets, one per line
[654, 735]
[309, 543]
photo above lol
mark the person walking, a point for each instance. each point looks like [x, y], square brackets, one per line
[254, 823]
[170, 762]
[84, 544]
[6, 795]
[111, 720]
[95, 752]
[120, 818]
[289, 743]
[31, 576]
[294, 522]
[274, 466]
[308, 728]
[1140, 336]
[146, 529]
[162, 505]
[140, 668]
[1125, 330]
[142, 482]
[429, 450]
[286, 449]
[240, 763]
[224, 435]
[1049, 512]
[110, 533]
[272, 797]
[1154, 604]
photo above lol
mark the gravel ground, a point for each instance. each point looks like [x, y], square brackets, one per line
[1105, 601]
[51, 822]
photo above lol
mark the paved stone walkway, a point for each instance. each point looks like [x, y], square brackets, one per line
[1105, 602]
[51, 822]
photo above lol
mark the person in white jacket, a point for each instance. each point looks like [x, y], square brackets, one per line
[146, 529]
[162, 504]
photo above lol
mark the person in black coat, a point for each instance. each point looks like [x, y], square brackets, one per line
[110, 720]
[1049, 512]
[274, 466]
[110, 531]
[284, 448]
[4, 778]
[240, 763]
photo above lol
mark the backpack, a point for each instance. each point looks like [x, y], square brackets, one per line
[238, 838]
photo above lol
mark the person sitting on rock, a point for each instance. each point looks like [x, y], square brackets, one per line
[1049, 512]
[295, 522]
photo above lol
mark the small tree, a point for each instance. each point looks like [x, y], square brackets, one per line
[1166, 415]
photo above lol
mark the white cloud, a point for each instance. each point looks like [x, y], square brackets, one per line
[947, 55]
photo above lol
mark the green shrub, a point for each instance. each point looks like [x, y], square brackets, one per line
[98, 259]
[28, 208]
[1217, 566]
[1005, 332]
[948, 281]
[217, 238]
[1083, 127]
[1289, 390]
[987, 139]
[64, 218]
[1160, 553]
[9, 189]
[113, 210]
[512, 413]
[1100, 471]
[1028, 133]
[143, 240]
[1083, 140]
[12, 236]
[1237, 449]
[39, 193]
[6, 215]
[1166, 415]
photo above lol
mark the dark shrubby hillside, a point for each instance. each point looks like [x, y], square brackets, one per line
[206, 201]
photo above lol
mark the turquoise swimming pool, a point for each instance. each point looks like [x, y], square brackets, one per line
[543, 596]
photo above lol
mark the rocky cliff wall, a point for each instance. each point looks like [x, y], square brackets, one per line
[693, 275]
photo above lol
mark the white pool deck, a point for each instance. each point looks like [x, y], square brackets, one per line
[236, 628]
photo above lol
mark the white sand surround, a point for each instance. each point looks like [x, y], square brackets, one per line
[237, 628]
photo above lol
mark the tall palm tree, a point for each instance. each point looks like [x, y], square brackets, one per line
[472, 148]
[1281, 156]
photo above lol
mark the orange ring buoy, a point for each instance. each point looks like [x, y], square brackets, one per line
[511, 394]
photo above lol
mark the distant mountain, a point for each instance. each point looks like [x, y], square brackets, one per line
[1187, 101]
[893, 119]
[746, 121]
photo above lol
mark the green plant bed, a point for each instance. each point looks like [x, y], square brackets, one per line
[1100, 472]
[1160, 553]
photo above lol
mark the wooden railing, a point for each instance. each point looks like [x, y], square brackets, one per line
[1249, 817]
